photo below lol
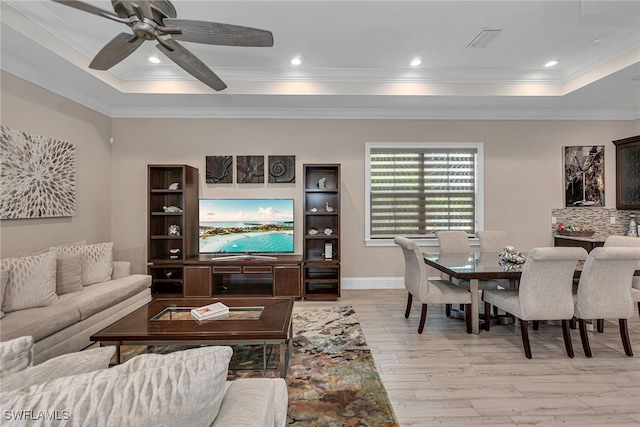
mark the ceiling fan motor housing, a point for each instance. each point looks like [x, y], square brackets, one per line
[161, 9]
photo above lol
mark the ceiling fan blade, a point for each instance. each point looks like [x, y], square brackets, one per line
[191, 64]
[115, 51]
[142, 9]
[86, 7]
[219, 34]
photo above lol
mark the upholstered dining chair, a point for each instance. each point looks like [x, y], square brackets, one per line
[627, 242]
[428, 291]
[604, 290]
[545, 292]
[492, 241]
[453, 241]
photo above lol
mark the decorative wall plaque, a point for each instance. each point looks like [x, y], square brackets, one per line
[282, 169]
[250, 169]
[37, 176]
[219, 170]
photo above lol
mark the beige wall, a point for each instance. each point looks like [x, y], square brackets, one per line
[32, 109]
[523, 169]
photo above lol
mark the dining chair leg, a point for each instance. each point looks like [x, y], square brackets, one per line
[573, 322]
[566, 334]
[536, 325]
[409, 302]
[600, 325]
[583, 336]
[467, 317]
[487, 316]
[524, 330]
[624, 334]
[447, 310]
[423, 318]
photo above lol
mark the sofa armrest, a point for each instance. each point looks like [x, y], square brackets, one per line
[121, 269]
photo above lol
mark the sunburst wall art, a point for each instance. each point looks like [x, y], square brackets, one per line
[37, 176]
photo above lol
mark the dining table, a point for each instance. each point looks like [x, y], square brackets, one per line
[473, 266]
[476, 266]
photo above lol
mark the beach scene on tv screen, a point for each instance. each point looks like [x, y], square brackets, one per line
[246, 226]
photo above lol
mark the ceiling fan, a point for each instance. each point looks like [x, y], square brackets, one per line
[155, 19]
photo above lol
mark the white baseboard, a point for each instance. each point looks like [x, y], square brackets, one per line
[374, 282]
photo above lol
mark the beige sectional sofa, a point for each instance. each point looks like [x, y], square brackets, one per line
[63, 295]
[188, 388]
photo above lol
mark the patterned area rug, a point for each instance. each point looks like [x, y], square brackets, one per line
[332, 379]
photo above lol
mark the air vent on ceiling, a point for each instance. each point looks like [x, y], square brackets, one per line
[485, 37]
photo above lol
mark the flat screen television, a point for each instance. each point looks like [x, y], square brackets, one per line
[246, 227]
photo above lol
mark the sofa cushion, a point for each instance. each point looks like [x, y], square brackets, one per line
[96, 261]
[15, 355]
[250, 402]
[62, 366]
[99, 297]
[68, 273]
[4, 279]
[165, 392]
[32, 281]
[40, 322]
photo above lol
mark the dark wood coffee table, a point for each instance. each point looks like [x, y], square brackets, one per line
[168, 321]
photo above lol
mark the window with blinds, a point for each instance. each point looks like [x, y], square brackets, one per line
[417, 191]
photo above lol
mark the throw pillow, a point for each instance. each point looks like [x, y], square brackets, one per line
[15, 355]
[4, 279]
[68, 273]
[32, 281]
[97, 261]
[169, 393]
[62, 366]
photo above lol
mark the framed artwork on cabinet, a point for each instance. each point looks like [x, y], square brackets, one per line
[584, 176]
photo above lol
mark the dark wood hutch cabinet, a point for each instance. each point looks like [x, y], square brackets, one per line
[628, 173]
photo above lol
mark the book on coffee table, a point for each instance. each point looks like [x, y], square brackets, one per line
[210, 311]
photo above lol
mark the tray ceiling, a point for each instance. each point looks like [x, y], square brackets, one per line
[355, 60]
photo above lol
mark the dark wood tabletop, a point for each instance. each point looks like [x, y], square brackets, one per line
[272, 324]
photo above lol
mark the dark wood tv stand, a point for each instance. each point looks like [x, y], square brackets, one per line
[215, 276]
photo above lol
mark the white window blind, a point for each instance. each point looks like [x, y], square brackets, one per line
[417, 191]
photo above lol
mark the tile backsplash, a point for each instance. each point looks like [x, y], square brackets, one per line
[597, 219]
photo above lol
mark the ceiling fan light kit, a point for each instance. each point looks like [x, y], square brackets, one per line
[156, 20]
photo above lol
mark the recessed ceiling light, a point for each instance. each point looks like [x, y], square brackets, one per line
[296, 61]
[416, 62]
[551, 64]
[154, 59]
[596, 41]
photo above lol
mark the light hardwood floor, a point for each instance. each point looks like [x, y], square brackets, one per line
[448, 377]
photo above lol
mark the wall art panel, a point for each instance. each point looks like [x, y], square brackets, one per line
[584, 176]
[282, 169]
[37, 176]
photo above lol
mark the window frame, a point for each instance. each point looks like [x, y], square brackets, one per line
[423, 240]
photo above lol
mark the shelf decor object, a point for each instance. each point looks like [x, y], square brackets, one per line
[628, 173]
[584, 176]
[321, 246]
[38, 177]
[172, 225]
